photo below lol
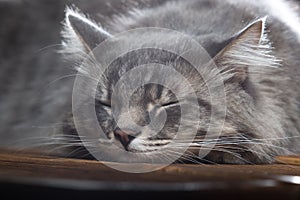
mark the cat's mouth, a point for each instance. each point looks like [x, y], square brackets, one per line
[142, 146]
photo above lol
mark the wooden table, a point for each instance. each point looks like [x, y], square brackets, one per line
[29, 175]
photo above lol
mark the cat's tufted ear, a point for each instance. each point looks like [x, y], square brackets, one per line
[80, 33]
[248, 48]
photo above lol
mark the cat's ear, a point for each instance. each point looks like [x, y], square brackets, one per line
[80, 33]
[248, 48]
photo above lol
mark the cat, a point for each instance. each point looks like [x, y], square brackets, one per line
[259, 54]
[255, 48]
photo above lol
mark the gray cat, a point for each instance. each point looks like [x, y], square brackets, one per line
[258, 59]
[255, 48]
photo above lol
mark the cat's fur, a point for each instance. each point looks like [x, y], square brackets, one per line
[262, 96]
[258, 58]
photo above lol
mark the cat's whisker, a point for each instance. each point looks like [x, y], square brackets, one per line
[184, 156]
[166, 157]
[195, 158]
[220, 143]
[78, 151]
[237, 139]
[228, 149]
[56, 80]
[48, 47]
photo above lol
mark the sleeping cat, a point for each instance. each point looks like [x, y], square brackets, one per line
[255, 45]
[253, 48]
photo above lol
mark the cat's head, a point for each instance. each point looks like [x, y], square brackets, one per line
[245, 51]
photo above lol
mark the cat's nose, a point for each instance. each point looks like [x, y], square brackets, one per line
[124, 136]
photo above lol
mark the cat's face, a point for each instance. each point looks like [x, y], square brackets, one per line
[148, 119]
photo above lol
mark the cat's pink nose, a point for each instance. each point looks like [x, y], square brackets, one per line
[124, 137]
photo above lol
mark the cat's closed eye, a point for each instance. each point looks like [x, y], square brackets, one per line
[171, 103]
[105, 103]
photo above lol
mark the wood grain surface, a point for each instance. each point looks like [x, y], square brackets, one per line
[44, 175]
[24, 164]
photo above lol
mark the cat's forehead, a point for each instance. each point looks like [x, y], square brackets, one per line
[150, 57]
